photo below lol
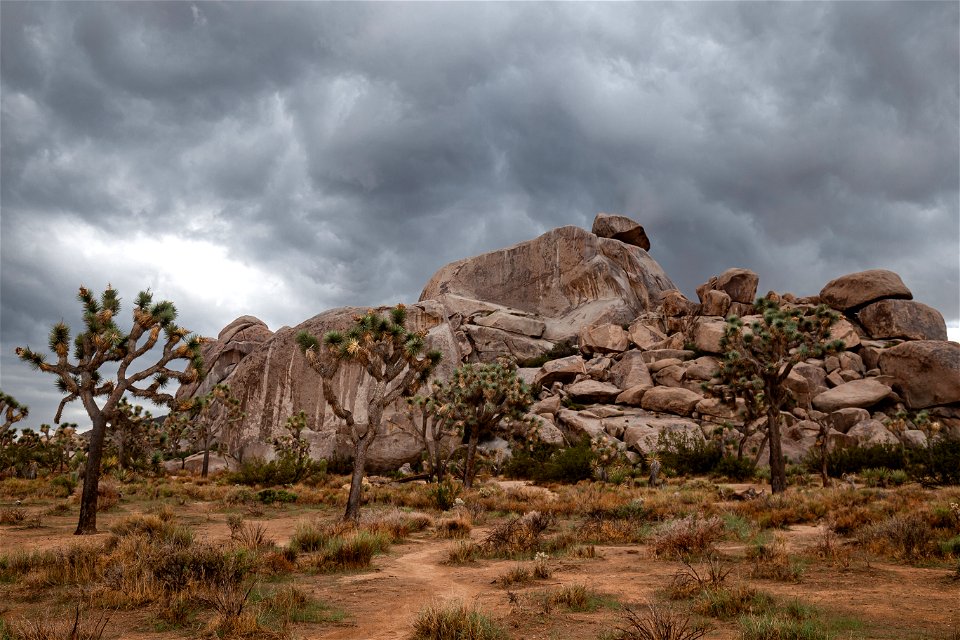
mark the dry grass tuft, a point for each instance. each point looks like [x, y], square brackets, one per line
[690, 536]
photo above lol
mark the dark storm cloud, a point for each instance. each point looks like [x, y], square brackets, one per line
[279, 159]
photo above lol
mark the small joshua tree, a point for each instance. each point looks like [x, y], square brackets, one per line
[758, 359]
[436, 427]
[480, 396]
[103, 342]
[390, 355]
[11, 412]
[132, 433]
[293, 451]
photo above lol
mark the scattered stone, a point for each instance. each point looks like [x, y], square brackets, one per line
[858, 393]
[645, 336]
[655, 367]
[903, 319]
[630, 371]
[604, 338]
[843, 419]
[925, 372]
[681, 402]
[857, 289]
[560, 370]
[675, 304]
[620, 228]
[592, 391]
[715, 303]
[871, 432]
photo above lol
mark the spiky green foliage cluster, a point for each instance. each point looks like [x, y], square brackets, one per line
[102, 342]
[479, 396]
[765, 351]
[381, 344]
[11, 411]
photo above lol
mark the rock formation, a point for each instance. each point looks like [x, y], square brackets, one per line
[633, 336]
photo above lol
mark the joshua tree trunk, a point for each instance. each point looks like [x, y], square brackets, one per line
[778, 472]
[469, 467]
[356, 480]
[206, 457]
[91, 478]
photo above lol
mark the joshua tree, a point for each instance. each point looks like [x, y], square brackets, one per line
[479, 397]
[390, 355]
[132, 433]
[11, 412]
[758, 359]
[212, 415]
[103, 342]
[436, 426]
[293, 450]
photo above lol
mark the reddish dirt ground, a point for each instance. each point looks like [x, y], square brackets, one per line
[892, 601]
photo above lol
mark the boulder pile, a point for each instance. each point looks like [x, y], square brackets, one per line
[641, 351]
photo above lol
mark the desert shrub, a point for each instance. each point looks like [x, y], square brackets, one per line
[455, 621]
[352, 552]
[108, 496]
[271, 496]
[250, 536]
[517, 575]
[65, 485]
[908, 537]
[692, 535]
[571, 464]
[528, 459]
[691, 580]
[883, 477]
[282, 471]
[771, 561]
[444, 494]
[463, 553]
[727, 603]
[395, 523]
[951, 546]
[12, 515]
[290, 604]
[575, 597]
[154, 528]
[734, 468]
[458, 528]
[686, 455]
[781, 626]
[77, 627]
[622, 523]
[936, 464]
[658, 622]
[517, 536]
[855, 459]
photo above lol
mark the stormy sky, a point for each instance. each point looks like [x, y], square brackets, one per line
[282, 159]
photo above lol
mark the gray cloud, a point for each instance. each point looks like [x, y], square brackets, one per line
[302, 156]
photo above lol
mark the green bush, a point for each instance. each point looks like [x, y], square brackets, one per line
[269, 496]
[735, 469]
[548, 463]
[683, 455]
[444, 494]
[572, 464]
[258, 471]
[66, 485]
[855, 459]
[938, 463]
